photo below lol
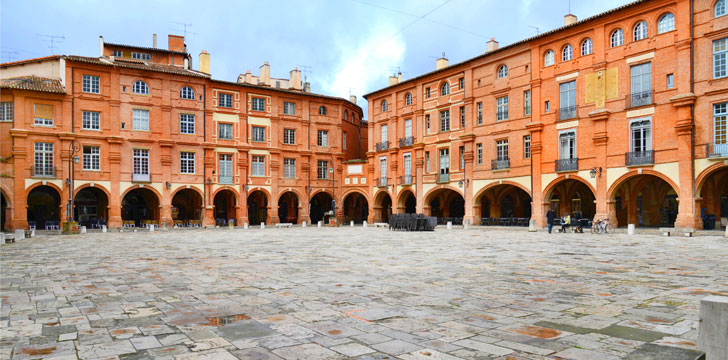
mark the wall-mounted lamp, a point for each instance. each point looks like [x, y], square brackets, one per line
[168, 184]
[595, 171]
[76, 159]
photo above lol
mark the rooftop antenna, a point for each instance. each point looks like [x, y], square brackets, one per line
[535, 27]
[305, 69]
[184, 26]
[53, 39]
[395, 69]
[10, 55]
[569, 6]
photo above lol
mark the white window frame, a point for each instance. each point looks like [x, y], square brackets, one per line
[322, 170]
[502, 108]
[140, 161]
[91, 120]
[90, 84]
[258, 134]
[566, 132]
[384, 105]
[480, 113]
[548, 58]
[640, 31]
[587, 47]
[670, 81]
[647, 146]
[187, 162]
[92, 158]
[222, 130]
[427, 161]
[666, 23]
[479, 153]
[384, 134]
[140, 56]
[408, 128]
[258, 167]
[720, 125]
[39, 121]
[427, 124]
[462, 117]
[43, 158]
[444, 161]
[461, 152]
[502, 71]
[322, 110]
[225, 168]
[225, 100]
[383, 169]
[289, 168]
[343, 140]
[140, 88]
[501, 150]
[616, 38]
[289, 108]
[720, 58]
[6, 111]
[527, 146]
[117, 53]
[322, 138]
[187, 93]
[444, 120]
[445, 88]
[720, 8]
[258, 104]
[187, 124]
[407, 161]
[567, 53]
[289, 136]
[140, 119]
[527, 103]
[408, 99]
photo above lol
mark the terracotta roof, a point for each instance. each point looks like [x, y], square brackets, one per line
[33, 83]
[148, 66]
[144, 48]
[520, 42]
[40, 59]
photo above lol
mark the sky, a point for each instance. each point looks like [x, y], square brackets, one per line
[343, 47]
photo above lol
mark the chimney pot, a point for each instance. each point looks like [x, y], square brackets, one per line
[491, 45]
[264, 74]
[154, 41]
[393, 80]
[101, 46]
[295, 79]
[205, 62]
[569, 19]
[441, 63]
[352, 99]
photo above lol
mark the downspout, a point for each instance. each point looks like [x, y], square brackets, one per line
[692, 107]
[204, 163]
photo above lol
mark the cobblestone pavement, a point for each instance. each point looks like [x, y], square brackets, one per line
[356, 293]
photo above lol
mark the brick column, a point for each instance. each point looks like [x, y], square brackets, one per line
[684, 128]
[115, 200]
[20, 173]
[467, 177]
[599, 137]
[537, 201]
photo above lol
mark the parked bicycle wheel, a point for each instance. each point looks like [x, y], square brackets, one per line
[596, 228]
[609, 229]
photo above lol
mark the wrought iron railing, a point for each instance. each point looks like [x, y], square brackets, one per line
[406, 141]
[639, 99]
[500, 164]
[226, 180]
[639, 158]
[567, 164]
[382, 146]
[382, 182]
[443, 178]
[566, 113]
[48, 171]
[716, 150]
[141, 177]
[406, 180]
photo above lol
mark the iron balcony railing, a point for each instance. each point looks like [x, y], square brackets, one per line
[500, 164]
[48, 171]
[226, 180]
[716, 149]
[639, 99]
[382, 182]
[566, 113]
[141, 178]
[406, 180]
[501, 115]
[443, 178]
[639, 158]
[567, 164]
[406, 141]
[382, 146]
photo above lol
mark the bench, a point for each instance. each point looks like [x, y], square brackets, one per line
[381, 225]
[284, 225]
[686, 231]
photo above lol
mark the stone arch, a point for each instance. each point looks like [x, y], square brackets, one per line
[350, 191]
[44, 204]
[407, 202]
[446, 203]
[231, 189]
[198, 191]
[88, 213]
[559, 196]
[711, 196]
[143, 205]
[355, 206]
[134, 187]
[646, 199]
[429, 194]
[705, 174]
[503, 200]
[382, 206]
[257, 211]
[633, 173]
[289, 203]
[187, 210]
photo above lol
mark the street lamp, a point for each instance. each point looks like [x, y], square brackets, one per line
[594, 171]
[73, 148]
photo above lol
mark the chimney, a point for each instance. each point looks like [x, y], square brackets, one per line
[187, 63]
[264, 74]
[101, 46]
[205, 62]
[569, 19]
[307, 87]
[154, 41]
[393, 80]
[352, 99]
[176, 43]
[491, 45]
[295, 79]
[442, 63]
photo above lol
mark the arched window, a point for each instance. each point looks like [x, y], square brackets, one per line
[140, 87]
[720, 8]
[322, 110]
[445, 89]
[640, 31]
[502, 71]
[586, 47]
[187, 93]
[548, 58]
[408, 99]
[666, 23]
[384, 105]
[353, 117]
[346, 114]
[567, 53]
[617, 38]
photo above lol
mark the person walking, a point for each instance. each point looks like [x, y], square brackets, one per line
[550, 216]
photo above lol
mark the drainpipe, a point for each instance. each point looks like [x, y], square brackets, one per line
[692, 107]
[204, 163]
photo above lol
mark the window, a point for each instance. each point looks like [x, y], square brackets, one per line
[382, 170]
[547, 104]
[258, 134]
[186, 123]
[225, 131]
[670, 81]
[140, 119]
[322, 110]
[187, 93]
[427, 92]
[502, 71]
[666, 23]
[548, 58]
[383, 132]
[617, 38]
[427, 124]
[408, 99]
[444, 163]
[640, 31]
[289, 168]
[323, 169]
[346, 115]
[444, 120]
[187, 162]
[90, 120]
[527, 103]
[720, 52]
[461, 83]
[43, 157]
[140, 56]
[567, 53]
[384, 105]
[567, 97]
[289, 108]
[43, 114]
[567, 145]
[462, 158]
[91, 158]
[225, 100]
[480, 113]
[140, 161]
[501, 150]
[408, 128]
[225, 168]
[259, 105]
[90, 84]
[343, 140]
[258, 165]
[640, 133]
[462, 117]
[6, 111]
[427, 161]
[323, 138]
[641, 81]
[140, 87]
[527, 146]
[720, 128]
[479, 153]
[720, 8]
[445, 89]
[586, 47]
[118, 53]
[408, 168]
[289, 136]
[502, 108]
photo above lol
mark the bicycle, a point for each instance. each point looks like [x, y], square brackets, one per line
[602, 226]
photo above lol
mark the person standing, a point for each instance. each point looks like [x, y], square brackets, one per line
[550, 216]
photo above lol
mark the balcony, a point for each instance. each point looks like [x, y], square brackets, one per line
[143, 178]
[714, 150]
[406, 141]
[443, 178]
[500, 164]
[637, 158]
[406, 180]
[382, 146]
[567, 164]
[566, 113]
[382, 182]
[639, 99]
[43, 171]
[225, 180]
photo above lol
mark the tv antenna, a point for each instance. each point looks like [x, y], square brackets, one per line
[305, 69]
[184, 28]
[395, 69]
[11, 55]
[53, 39]
[535, 27]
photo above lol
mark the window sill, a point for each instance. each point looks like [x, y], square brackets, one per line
[44, 126]
[96, 130]
[147, 131]
[144, 95]
[186, 133]
[90, 170]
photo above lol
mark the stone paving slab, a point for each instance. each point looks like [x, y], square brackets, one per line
[362, 293]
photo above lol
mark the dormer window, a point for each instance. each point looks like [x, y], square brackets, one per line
[140, 56]
[118, 53]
